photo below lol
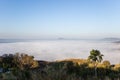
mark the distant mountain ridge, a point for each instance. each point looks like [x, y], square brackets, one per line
[111, 39]
[12, 40]
[29, 40]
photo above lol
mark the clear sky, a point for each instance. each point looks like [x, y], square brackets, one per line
[59, 18]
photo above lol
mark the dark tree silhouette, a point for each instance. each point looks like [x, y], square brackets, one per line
[96, 57]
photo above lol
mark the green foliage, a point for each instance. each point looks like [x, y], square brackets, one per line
[24, 61]
[24, 67]
[17, 61]
[95, 56]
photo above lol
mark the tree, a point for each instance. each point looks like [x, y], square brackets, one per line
[7, 61]
[96, 57]
[24, 61]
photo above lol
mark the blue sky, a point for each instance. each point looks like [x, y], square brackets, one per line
[59, 18]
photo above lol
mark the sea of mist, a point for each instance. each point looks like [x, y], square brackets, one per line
[51, 50]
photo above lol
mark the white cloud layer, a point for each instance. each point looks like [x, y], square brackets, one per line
[62, 49]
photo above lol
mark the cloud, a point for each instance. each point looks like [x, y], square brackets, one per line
[61, 49]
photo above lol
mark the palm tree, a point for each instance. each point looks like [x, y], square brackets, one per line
[96, 57]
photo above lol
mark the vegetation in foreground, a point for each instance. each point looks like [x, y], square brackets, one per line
[24, 67]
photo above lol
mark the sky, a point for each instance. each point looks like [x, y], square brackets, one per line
[59, 18]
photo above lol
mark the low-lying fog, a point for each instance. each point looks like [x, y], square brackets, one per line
[62, 49]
